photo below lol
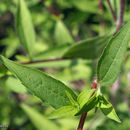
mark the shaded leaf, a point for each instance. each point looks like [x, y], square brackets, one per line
[48, 89]
[25, 27]
[108, 110]
[3, 71]
[109, 64]
[88, 49]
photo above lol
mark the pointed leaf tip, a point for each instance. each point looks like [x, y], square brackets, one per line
[48, 89]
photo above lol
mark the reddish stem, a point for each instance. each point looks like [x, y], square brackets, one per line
[122, 7]
[83, 116]
[112, 10]
[120, 19]
[101, 15]
[42, 1]
[82, 120]
[46, 60]
[52, 10]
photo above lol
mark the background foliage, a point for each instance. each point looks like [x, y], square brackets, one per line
[59, 25]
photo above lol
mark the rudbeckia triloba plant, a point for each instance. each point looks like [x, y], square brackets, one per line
[44, 58]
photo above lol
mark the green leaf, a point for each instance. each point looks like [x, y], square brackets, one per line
[88, 49]
[84, 96]
[25, 28]
[72, 101]
[85, 102]
[86, 5]
[109, 64]
[66, 111]
[52, 52]
[39, 121]
[62, 34]
[48, 89]
[108, 110]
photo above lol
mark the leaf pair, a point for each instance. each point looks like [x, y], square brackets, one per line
[83, 104]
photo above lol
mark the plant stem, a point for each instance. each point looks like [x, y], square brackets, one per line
[112, 10]
[83, 116]
[120, 19]
[42, 1]
[82, 120]
[101, 15]
[53, 11]
[42, 61]
[46, 60]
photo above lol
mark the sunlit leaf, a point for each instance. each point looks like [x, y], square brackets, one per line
[66, 111]
[48, 89]
[109, 64]
[86, 102]
[84, 96]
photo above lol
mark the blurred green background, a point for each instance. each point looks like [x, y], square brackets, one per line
[59, 23]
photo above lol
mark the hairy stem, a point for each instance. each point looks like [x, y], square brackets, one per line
[83, 116]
